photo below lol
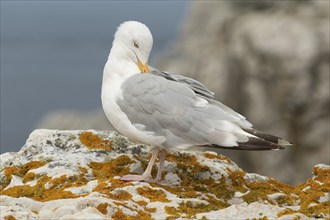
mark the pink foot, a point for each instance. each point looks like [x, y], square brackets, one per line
[139, 178]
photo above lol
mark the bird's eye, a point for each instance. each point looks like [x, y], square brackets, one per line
[136, 44]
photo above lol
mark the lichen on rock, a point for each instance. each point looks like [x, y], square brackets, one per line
[56, 176]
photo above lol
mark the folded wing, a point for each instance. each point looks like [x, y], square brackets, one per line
[185, 112]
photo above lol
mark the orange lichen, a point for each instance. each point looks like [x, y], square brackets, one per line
[121, 195]
[217, 156]
[20, 171]
[189, 170]
[143, 215]
[106, 189]
[9, 217]
[286, 212]
[82, 169]
[141, 203]
[221, 189]
[119, 215]
[144, 204]
[57, 182]
[321, 173]
[237, 177]
[191, 209]
[151, 209]
[66, 182]
[102, 207]
[29, 177]
[189, 194]
[116, 167]
[94, 142]
[38, 191]
[172, 211]
[152, 194]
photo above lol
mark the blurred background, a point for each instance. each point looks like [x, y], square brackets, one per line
[268, 60]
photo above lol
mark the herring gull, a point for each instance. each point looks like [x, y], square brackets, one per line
[167, 110]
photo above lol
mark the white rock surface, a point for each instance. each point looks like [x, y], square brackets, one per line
[75, 175]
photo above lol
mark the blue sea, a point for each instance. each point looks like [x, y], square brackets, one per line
[53, 54]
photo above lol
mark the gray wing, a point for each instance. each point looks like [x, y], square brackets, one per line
[196, 86]
[200, 90]
[172, 109]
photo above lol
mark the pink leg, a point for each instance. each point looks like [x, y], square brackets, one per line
[146, 176]
[162, 156]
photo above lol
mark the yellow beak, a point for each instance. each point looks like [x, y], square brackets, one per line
[143, 67]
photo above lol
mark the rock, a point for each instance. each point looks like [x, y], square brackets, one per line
[75, 175]
[269, 61]
[72, 120]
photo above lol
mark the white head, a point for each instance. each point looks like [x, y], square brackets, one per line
[134, 40]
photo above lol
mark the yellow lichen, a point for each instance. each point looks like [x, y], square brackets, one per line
[286, 212]
[283, 200]
[143, 215]
[221, 189]
[217, 156]
[93, 142]
[151, 210]
[29, 177]
[119, 215]
[9, 217]
[172, 211]
[66, 182]
[106, 189]
[141, 203]
[82, 169]
[57, 182]
[121, 195]
[191, 209]
[192, 185]
[102, 207]
[152, 194]
[116, 167]
[20, 171]
[237, 177]
[38, 191]
[189, 171]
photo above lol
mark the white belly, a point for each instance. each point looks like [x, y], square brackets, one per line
[111, 91]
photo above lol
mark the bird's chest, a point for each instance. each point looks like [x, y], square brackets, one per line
[111, 92]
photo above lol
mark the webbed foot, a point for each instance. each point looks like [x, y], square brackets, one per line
[140, 178]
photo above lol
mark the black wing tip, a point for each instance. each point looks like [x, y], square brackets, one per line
[268, 137]
[246, 147]
[257, 144]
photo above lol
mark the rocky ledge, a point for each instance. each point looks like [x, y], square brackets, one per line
[75, 175]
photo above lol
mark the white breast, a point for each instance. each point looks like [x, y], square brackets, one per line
[111, 91]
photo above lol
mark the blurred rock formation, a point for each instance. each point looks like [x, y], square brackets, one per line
[267, 60]
[270, 62]
[70, 120]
